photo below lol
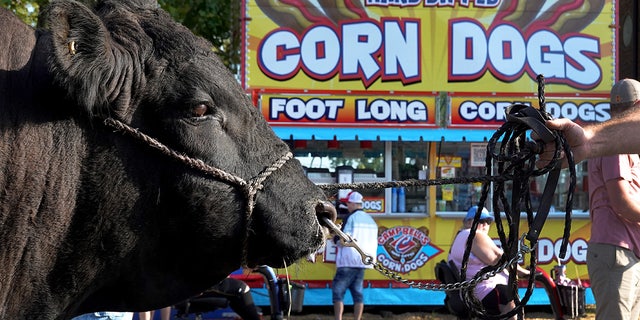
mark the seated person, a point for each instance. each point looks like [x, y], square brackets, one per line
[494, 293]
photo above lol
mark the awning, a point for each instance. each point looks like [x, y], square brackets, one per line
[386, 134]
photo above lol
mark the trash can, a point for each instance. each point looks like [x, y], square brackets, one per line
[572, 299]
[291, 295]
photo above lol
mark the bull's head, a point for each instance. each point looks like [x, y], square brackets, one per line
[183, 230]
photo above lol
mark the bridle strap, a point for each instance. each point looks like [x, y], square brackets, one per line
[534, 119]
[516, 158]
[249, 188]
[545, 205]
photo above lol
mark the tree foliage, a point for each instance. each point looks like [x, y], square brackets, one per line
[27, 10]
[216, 20]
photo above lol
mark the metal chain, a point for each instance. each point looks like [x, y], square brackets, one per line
[452, 286]
[347, 241]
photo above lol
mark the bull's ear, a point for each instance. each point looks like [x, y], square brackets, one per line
[81, 59]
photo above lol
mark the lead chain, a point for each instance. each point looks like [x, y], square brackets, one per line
[348, 241]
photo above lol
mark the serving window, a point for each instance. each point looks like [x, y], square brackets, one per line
[329, 162]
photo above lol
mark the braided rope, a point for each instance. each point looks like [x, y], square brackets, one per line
[191, 162]
[249, 188]
[413, 183]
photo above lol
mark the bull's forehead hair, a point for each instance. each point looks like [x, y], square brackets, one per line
[198, 63]
[137, 4]
[174, 42]
[183, 55]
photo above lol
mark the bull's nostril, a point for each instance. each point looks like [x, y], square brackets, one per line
[325, 209]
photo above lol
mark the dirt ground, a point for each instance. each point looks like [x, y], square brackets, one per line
[325, 313]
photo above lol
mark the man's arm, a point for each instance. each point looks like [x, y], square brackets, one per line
[620, 135]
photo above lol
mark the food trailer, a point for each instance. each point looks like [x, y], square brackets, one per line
[386, 90]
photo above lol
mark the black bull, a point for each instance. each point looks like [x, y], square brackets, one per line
[92, 219]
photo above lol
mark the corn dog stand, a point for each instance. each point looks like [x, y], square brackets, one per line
[374, 91]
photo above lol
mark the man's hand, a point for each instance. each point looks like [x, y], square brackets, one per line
[576, 136]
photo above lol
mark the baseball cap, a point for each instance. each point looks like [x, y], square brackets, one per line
[355, 197]
[625, 93]
[472, 213]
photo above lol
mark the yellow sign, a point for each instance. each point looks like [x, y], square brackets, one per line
[434, 236]
[390, 46]
[448, 163]
[343, 110]
[490, 112]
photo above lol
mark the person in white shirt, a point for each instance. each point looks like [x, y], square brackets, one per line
[350, 267]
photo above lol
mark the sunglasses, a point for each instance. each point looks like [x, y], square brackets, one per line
[487, 221]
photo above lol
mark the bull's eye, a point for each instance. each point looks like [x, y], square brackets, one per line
[200, 110]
